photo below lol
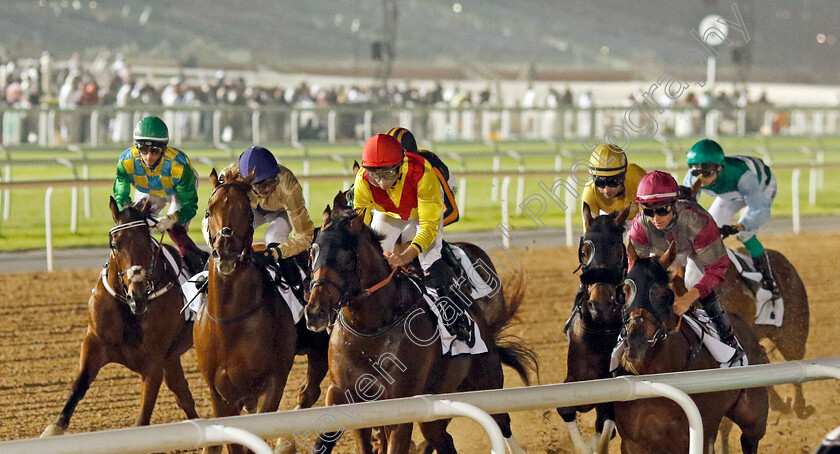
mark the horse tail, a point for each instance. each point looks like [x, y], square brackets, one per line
[515, 354]
[512, 350]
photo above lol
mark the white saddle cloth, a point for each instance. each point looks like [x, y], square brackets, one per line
[767, 310]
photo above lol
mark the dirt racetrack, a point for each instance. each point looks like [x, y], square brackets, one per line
[43, 319]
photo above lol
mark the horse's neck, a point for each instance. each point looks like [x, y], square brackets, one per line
[380, 307]
[675, 353]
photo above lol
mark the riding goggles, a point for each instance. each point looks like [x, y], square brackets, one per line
[385, 173]
[705, 171]
[613, 182]
[148, 146]
[659, 211]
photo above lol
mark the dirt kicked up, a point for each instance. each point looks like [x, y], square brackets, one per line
[43, 319]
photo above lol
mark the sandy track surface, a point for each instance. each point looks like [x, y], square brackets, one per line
[43, 319]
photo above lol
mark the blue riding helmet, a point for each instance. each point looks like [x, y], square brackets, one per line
[260, 161]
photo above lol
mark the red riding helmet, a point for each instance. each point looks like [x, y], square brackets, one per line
[657, 187]
[382, 150]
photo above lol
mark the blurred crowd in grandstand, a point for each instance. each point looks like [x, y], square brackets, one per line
[108, 81]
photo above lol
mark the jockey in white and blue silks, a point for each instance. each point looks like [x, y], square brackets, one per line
[736, 182]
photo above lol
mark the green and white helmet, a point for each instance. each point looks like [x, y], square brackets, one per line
[707, 152]
[151, 129]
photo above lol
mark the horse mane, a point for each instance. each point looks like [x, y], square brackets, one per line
[340, 219]
[605, 223]
[233, 177]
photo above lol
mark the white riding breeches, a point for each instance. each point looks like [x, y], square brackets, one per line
[723, 209]
[395, 229]
[278, 229]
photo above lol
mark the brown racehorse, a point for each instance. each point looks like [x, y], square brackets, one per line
[386, 336]
[656, 342]
[596, 320]
[789, 339]
[245, 336]
[135, 319]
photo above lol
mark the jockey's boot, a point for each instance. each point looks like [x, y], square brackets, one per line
[762, 265]
[441, 277]
[194, 262]
[711, 304]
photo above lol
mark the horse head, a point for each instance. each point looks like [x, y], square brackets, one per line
[603, 262]
[133, 254]
[648, 314]
[230, 220]
[343, 254]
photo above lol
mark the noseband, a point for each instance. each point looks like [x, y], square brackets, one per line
[228, 232]
[134, 273]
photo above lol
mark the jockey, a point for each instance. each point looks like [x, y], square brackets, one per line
[277, 200]
[448, 184]
[664, 220]
[400, 194]
[614, 183]
[736, 182]
[164, 175]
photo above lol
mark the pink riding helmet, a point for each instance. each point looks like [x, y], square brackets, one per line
[657, 187]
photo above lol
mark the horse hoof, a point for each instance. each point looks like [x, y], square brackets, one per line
[51, 431]
[285, 446]
[782, 406]
[805, 412]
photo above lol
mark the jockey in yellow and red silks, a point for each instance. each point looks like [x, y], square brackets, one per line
[401, 196]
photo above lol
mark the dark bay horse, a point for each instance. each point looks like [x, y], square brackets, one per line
[245, 336]
[656, 342]
[596, 320]
[135, 318]
[387, 336]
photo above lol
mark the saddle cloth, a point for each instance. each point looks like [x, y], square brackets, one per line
[195, 295]
[479, 288]
[448, 343]
[705, 330]
[182, 279]
[767, 310]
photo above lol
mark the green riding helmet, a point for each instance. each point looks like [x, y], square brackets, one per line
[151, 129]
[706, 151]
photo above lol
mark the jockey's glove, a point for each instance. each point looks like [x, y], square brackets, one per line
[727, 230]
[165, 223]
[266, 257]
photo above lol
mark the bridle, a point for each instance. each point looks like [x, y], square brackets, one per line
[228, 232]
[347, 295]
[135, 273]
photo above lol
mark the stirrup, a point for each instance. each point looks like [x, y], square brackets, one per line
[738, 356]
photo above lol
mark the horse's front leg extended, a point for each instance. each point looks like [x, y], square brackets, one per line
[399, 438]
[173, 375]
[152, 379]
[93, 358]
[317, 367]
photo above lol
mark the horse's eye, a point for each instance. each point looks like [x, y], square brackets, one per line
[586, 253]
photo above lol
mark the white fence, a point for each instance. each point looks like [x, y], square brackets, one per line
[53, 127]
[193, 434]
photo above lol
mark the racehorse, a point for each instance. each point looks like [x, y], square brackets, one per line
[245, 336]
[135, 318]
[738, 296]
[596, 320]
[386, 336]
[656, 341]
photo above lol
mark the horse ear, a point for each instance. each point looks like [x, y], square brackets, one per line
[250, 178]
[695, 188]
[325, 217]
[340, 201]
[356, 167]
[587, 215]
[144, 206]
[358, 222]
[632, 255]
[622, 216]
[214, 178]
[115, 209]
[668, 258]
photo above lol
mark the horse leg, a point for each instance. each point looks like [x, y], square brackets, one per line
[222, 408]
[604, 427]
[503, 420]
[363, 444]
[777, 403]
[93, 358]
[327, 440]
[802, 411]
[152, 379]
[173, 375]
[569, 415]
[723, 432]
[750, 414]
[316, 369]
[435, 433]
